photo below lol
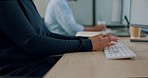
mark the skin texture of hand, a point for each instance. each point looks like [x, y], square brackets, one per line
[101, 41]
[100, 27]
[95, 28]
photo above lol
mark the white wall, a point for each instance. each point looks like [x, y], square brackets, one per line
[106, 10]
[139, 12]
[82, 10]
[103, 10]
[41, 6]
[116, 11]
[126, 10]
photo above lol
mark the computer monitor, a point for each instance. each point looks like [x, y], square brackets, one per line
[139, 14]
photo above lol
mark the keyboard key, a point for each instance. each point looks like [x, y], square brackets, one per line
[119, 51]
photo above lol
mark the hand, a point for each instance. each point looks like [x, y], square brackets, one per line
[100, 27]
[101, 41]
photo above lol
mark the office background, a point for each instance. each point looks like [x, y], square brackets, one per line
[111, 11]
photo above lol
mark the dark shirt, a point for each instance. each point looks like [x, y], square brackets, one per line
[24, 38]
[26, 46]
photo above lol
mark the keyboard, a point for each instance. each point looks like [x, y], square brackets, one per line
[119, 51]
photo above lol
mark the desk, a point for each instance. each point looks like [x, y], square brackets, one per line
[95, 65]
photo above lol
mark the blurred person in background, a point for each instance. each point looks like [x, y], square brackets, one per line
[59, 19]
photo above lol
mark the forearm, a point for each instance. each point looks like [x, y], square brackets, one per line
[95, 28]
[45, 46]
[88, 28]
[66, 37]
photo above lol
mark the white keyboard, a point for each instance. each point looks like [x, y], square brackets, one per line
[119, 51]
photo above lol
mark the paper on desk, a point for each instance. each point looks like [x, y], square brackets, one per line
[87, 34]
[90, 34]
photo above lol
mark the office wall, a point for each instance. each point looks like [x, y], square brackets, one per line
[126, 10]
[103, 10]
[41, 6]
[106, 10]
[139, 11]
[82, 10]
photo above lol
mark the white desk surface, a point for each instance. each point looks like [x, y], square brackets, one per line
[95, 65]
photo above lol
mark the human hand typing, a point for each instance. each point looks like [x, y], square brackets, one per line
[99, 42]
[100, 27]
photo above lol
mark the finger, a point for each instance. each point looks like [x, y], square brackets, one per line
[104, 27]
[111, 38]
[114, 38]
[108, 45]
[106, 35]
[109, 35]
[102, 46]
[102, 34]
[105, 39]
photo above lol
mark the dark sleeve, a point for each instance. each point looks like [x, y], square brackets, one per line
[14, 24]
